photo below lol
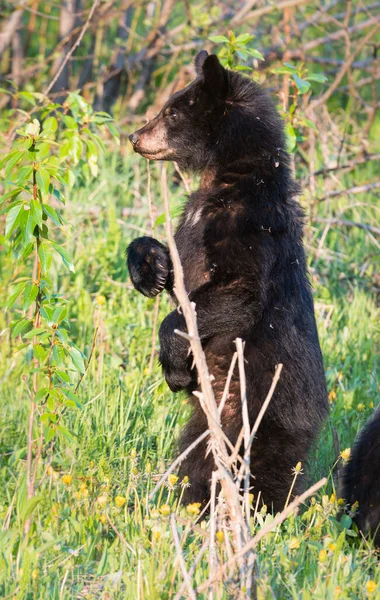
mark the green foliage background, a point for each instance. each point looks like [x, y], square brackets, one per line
[105, 423]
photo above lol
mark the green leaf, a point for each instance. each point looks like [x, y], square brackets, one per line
[114, 132]
[244, 38]
[319, 77]
[77, 358]
[291, 138]
[30, 506]
[65, 257]
[43, 180]
[255, 54]
[34, 333]
[13, 219]
[30, 294]
[58, 354]
[302, 85]
[283, 70]
[68, 435]
[15, 293]
[40, 352]
[219, 39]
[49, 433]
[59, 314]
[41, 394]
[36, 211]
[50, 124]
[44, 253]
[11, 157]
[19, 326]
[52, 213]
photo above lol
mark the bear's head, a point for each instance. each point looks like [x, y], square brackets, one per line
[219, 118]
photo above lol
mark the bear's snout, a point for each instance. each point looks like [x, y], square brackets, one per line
[134, 138]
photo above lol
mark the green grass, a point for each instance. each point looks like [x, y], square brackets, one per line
[125, 434]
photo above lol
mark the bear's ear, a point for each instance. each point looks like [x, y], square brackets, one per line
[199, 61]
[215, 78]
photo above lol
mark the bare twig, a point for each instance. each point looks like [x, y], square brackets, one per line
[180, 557]
[344, 223]
[178, 461]
[120, 535]
[280, 518]
[356, 189]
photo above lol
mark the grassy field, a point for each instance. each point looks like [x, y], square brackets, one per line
[95, 534]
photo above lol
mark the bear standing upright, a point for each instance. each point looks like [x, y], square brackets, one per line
[240, 244]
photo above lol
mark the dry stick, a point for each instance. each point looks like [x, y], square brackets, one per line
[213, 561]
[246, 427]
[259, 417]
[356, 189]
[120, 535]
[157, 301]
[180, 557]
[228, 383]
[89, 360]
[203, 549]
[178, 461]
[280, 518]
[208, 400]
[344, 223]
[242, 15]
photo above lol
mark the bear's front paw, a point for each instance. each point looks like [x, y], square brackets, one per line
[149, 266]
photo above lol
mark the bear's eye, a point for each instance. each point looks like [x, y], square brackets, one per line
[171, 112]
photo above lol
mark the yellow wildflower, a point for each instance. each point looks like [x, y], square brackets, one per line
[341, 501]
[120, 501]
[337, 591]
[194, 508]
[100, 300]
[332, 547]
[103, 519]
[355, 507]
[322, 556]
[294, 544]
[67, 479]
[371, 586]
[148, 468]
[165, 509]
[332, 396]
[172, 479]
[133, 453]
[360, 407]
[371, 405]
[298, 467]
[185, 481]
[220, 536]
[345, 454]
[35, 574]
[156, 535]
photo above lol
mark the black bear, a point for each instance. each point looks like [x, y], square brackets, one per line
[361, 478]
[240, 243]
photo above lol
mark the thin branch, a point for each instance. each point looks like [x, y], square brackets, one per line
[344, 223]
[178, 461]
[356, 189]
[278, 519]
[180, 557]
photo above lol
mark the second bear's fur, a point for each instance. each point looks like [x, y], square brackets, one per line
[240, 243]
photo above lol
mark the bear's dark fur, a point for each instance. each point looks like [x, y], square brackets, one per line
[361, 478]
[240, 243]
